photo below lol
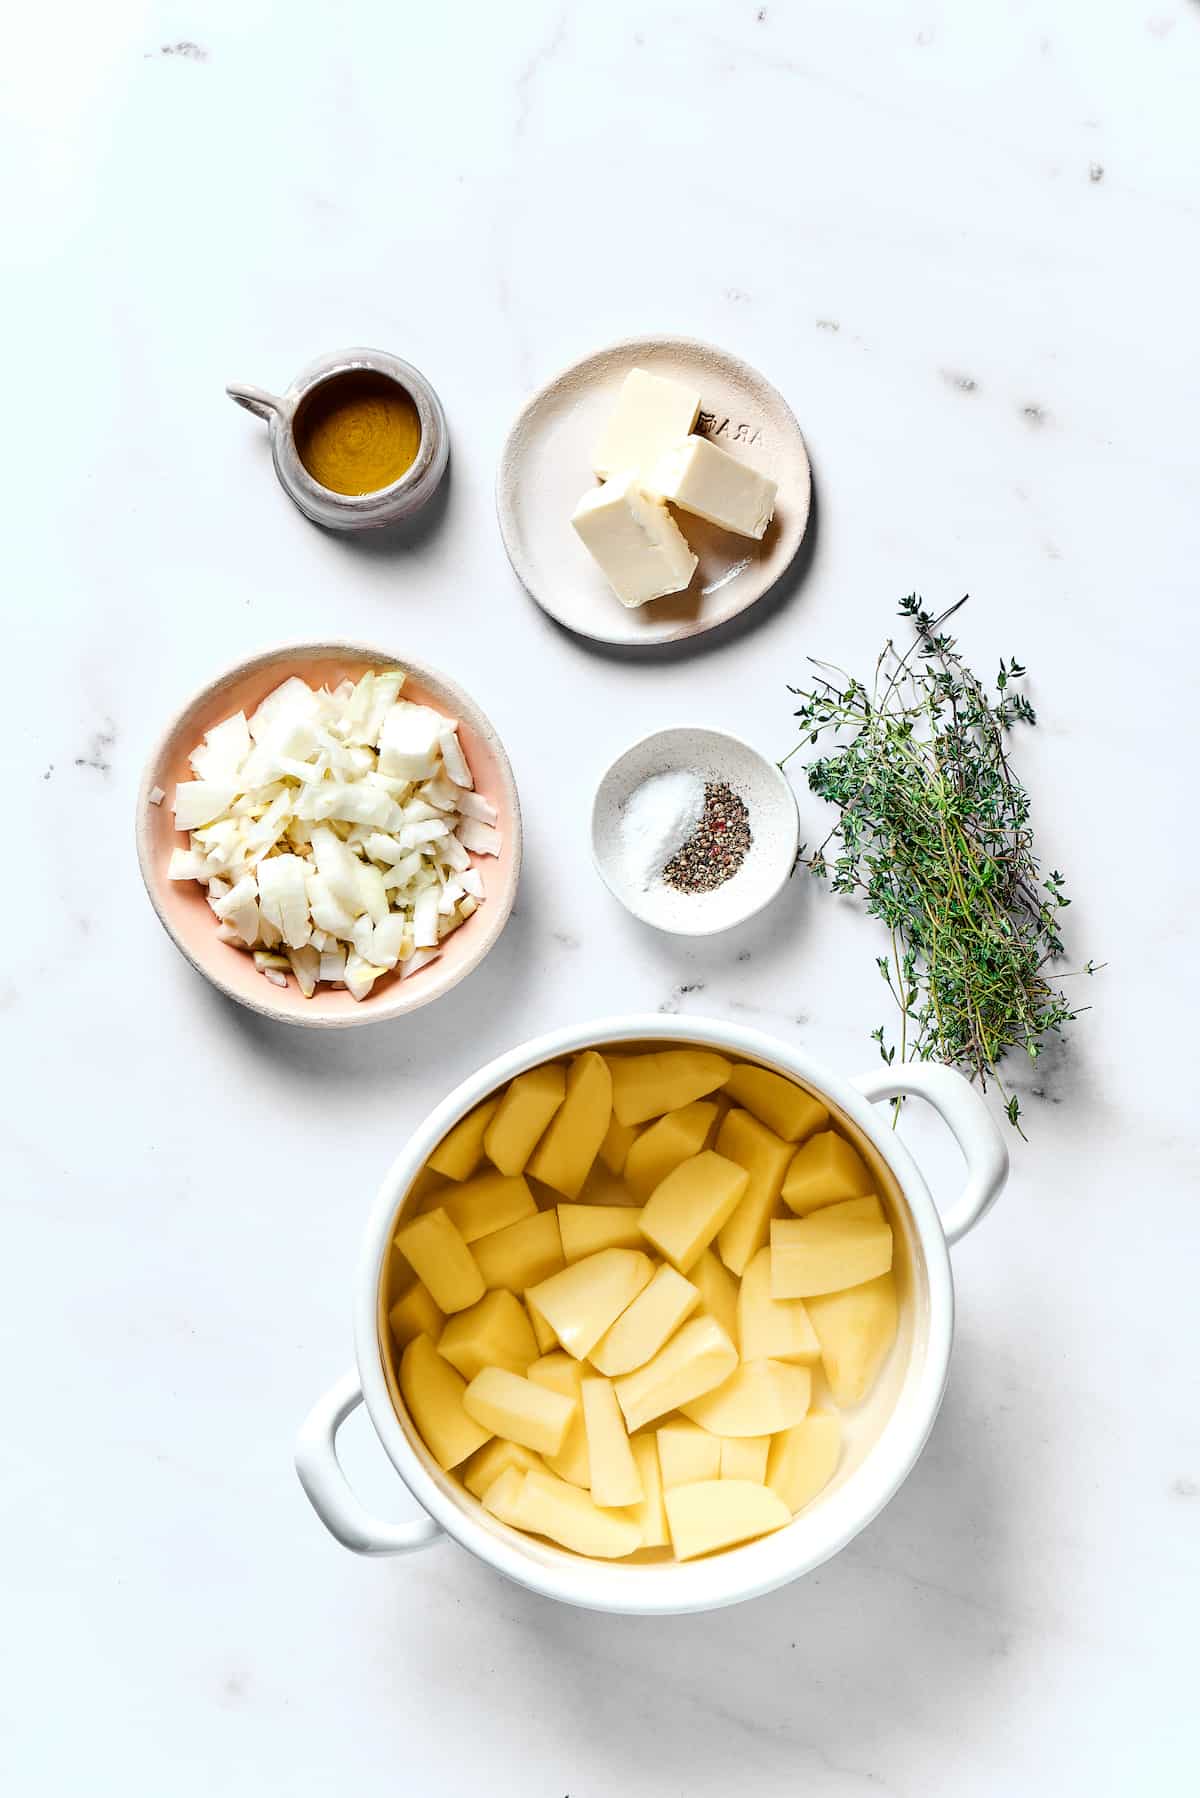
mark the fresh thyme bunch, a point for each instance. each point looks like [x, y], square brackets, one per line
[933, 832]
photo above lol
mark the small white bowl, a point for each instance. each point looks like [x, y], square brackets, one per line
[715, 756]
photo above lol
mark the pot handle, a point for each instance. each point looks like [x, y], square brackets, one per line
[321, 1476]
[969, 1121]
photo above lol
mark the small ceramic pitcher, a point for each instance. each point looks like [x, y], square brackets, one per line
[356, 511]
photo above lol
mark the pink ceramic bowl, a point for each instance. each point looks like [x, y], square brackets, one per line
[181, 904]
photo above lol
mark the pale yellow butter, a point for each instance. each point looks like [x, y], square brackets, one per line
[652, 414]
[698, 477]
[639, 548]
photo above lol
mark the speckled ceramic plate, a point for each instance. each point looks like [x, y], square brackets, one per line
[546, 466]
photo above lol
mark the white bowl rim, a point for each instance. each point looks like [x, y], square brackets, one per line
[396, 1002]
[763, 896]
[653, 1589]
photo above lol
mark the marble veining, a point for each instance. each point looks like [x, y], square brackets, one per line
[962, 243]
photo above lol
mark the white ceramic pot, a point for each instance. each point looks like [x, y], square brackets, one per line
[882, 1445]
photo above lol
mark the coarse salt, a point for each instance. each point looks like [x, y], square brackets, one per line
[657, 819]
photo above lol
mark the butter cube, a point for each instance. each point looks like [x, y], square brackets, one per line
[433, 1392]
[717, 1513]
[640, 550]
[742, 1458]
[687, 1453]
[488, 1202]
[494, 1333]
[506, 1404]
[651, 1513]
[615, 1477]
[521, 1254]
[758, 1399]
[652, 414]
[698, 477]
[583, 1300]
[656, 1313]
[438, 1255]
[804, 1459]
[494, 1458]
[559, 1372]
[697, 1358]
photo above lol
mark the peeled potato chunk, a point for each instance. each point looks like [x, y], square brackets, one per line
[776, 1328]
[640, 1331]
[494, 1333]
[687, 1453]
[742, 1458]
[758, 1398]
[486, 1203]
[776, 1102]
[615, 1477]
[856, 1330]
[564, 1157]
[651, 1513]
[501, 1496]
[685, 1212]
[698, 1357]
[663, 1145]
[644, 1086]
[461, 1149]
[494, 1458]
[826, 1170]
[551, 1507]
[586, 1229]
[804, 1459]
[522, 1115]
[560, 1372]
[717, 1513]
[438, 1255]
[521, 1254]
[616, 1145]
[506, 1404]
[718, 1291]
[582, 1301]
[414, 1313]
[765, 1156]
[433, 1392]
[838, 1246]
[543, 1335]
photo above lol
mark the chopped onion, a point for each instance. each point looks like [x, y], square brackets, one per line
[337, 828]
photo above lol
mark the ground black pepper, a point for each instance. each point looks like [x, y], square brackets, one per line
[718, 847]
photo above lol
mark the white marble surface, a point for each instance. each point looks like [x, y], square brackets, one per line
[962, 240]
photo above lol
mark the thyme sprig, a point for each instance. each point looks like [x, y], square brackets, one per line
[933, 832]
